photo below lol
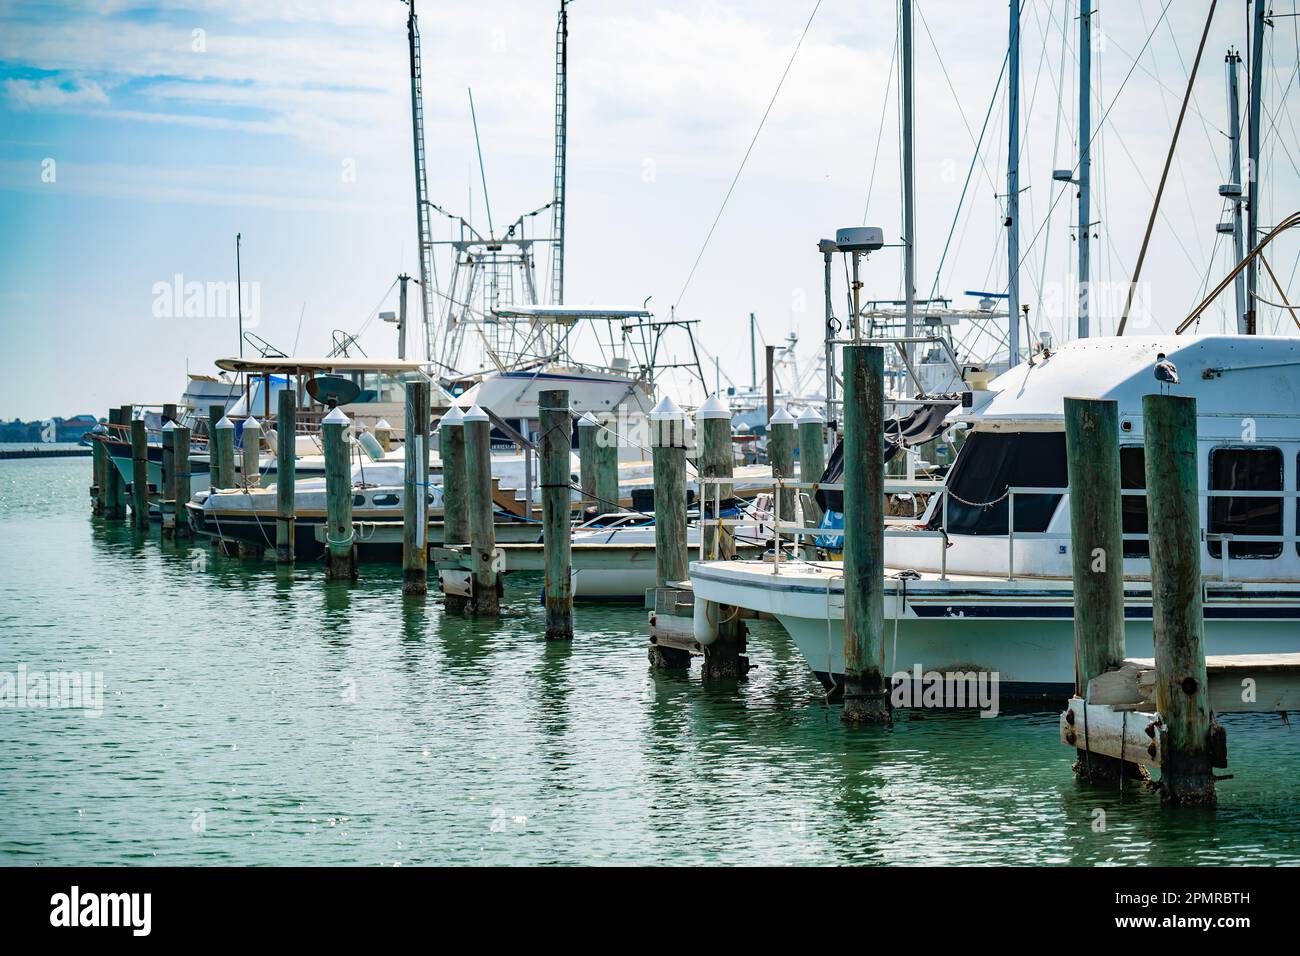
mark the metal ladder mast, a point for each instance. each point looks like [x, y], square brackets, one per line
[561, 144]
[427, 312]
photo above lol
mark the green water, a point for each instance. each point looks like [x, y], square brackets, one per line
[261, 716]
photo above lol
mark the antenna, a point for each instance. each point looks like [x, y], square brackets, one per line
[482, 174]
[421, 186]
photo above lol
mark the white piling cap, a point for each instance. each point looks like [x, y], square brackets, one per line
[169, 427]
[811, 415]
[665, 411]
[225, 423]
[383, 423]
[587, 420]
[781, 416]
[336, 417]
[476, 414]
[252, 424]
[454, 416]
[713, 407]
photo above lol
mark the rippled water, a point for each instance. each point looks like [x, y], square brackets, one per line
[262, 716]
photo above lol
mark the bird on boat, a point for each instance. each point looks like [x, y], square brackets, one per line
[1166, 372]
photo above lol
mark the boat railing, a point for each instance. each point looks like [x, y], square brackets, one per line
[798, 531]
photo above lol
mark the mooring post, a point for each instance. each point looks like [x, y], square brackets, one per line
[114, 486]
[812, 460]
[588, 432]
[780, 455]
[415, 491]
[668, 454]
[866, 686]
[168, 413]
[713, 431]
[607, 492]
[1177, 622]
[98, 475]
[485, 585]
[225, 444]
[167, 489]
[215, 414]
[556, 423]
[286, 466]
[139, 473]
[340, 552]
[1097, 556]
[455, 504]
[384, 434]
[251, 453]
[181, 491]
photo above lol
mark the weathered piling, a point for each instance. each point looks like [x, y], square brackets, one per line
[114, 486]
[252, 453]
[340, 552]
[485, 584]
[168, 413]
[139, 474]
[1177, 622]
[225, 445]
[812, 459]
[556, 423]
[1097, 557]
[588, 432]
[286, 427]
[780, 455]
[668, 454]
[181, 490]
[167, 489]
[455, 504]
[607, 493]
[716, 460]
[215, 414]
[99, 476]
[415, 491]
[384, 434]
[866, 686]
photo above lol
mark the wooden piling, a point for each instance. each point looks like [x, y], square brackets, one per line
[225, 445]
[1177, 621]
[485, 586]
[812, 459]
[556, 423]
[181, 489]
[455, 503]
[251, 453]
[215, 414]
[168, 413]
[167, 489]
[286, 427]
[607, 491]
[1097, 556]
[668, 454]
[588, 432]
[139, 474]
[340, 552]
[415, 491]
[866, 686]
[99, 475]
[780, 455]
[716, 460]
[114, 486]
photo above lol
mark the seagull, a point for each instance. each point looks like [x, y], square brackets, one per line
[1166, 372]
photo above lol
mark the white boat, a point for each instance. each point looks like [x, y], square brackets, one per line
[1000, 601]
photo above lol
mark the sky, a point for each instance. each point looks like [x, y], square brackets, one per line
[138, 138]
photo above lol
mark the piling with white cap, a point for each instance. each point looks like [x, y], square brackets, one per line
[668, 451]
[485, 588]
[340, 549]
[225, 443]
[415, 490]
[252, 453]
[556, 423]
[455, 505]
[812, 459]
[780, 456]
[180, 482]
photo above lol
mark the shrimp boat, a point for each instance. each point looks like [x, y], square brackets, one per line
[983, 580]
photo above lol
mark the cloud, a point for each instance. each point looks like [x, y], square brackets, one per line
[52, 93]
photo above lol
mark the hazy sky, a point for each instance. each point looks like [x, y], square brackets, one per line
[136, 140]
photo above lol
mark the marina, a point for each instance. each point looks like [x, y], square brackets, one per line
[955, 527]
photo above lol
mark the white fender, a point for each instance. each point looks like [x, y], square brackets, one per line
[705, 621]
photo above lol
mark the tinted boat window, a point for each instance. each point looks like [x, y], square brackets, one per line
[1251, 468]
[988, 465]
[1132, 474]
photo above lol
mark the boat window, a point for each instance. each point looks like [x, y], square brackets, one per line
[385, 500]
[988, 465]
[358, 500]
[1132, 474]
[1246, 468]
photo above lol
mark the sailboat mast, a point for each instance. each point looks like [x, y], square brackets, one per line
[909, 191]
[1085, 159]
[1252, 162]
[561, 152]
[1233, 190]
[1013, 190]
[421, 186]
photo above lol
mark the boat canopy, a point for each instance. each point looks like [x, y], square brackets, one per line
[285, 366]
[567, 314]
